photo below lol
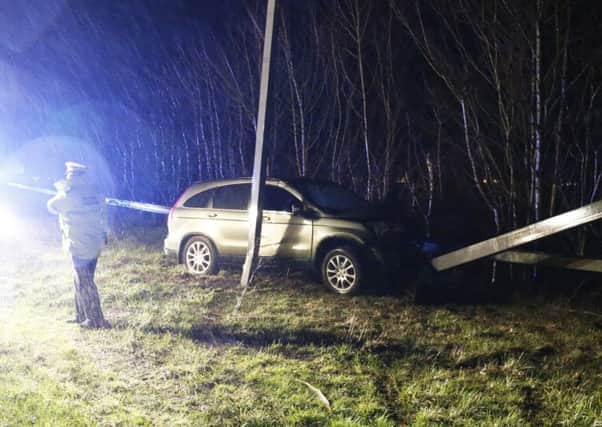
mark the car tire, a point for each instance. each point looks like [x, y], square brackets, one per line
[200, 256]
[342, 271]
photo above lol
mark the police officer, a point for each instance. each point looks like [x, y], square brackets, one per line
[82, 218]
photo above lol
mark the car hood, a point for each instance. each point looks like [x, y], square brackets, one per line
[372, 214]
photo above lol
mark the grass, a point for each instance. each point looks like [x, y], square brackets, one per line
[178, 355]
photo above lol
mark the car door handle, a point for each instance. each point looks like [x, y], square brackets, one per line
[266, 218]
[212, 215]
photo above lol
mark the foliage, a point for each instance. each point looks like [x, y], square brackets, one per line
[513, 87]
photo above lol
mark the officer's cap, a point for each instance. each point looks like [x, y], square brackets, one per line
[75, 167]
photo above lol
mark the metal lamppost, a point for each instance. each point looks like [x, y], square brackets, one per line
[256, 205]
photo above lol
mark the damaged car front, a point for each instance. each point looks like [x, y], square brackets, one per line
[379, 239]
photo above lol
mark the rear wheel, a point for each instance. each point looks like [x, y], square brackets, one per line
[200, 256]
[342, 271]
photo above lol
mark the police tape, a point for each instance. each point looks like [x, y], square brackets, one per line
[140, 206]
[129, 204]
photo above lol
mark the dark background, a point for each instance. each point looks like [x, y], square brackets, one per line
[469, 118]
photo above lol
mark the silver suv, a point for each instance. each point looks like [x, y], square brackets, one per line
[319, 224]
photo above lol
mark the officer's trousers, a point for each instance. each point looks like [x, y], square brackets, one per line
[87, 302]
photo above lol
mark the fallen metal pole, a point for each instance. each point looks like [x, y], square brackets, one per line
[548, 260]
[530, 233]
[139, 206]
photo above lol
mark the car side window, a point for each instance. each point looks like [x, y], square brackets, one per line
[232, 197]
[200, 200]
[278, 199]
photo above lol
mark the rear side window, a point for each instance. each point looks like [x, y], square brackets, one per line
[278, 199]
[200, 200]
[232, 197]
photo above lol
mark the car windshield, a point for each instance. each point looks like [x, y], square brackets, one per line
[332, 198]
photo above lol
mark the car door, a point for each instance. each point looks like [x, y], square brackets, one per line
[283, 233]
[230, 219]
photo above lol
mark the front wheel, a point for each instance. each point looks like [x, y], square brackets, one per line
[342, 271]
[200, 256]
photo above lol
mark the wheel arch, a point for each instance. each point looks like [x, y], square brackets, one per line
[330, 243]
[185, 241]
